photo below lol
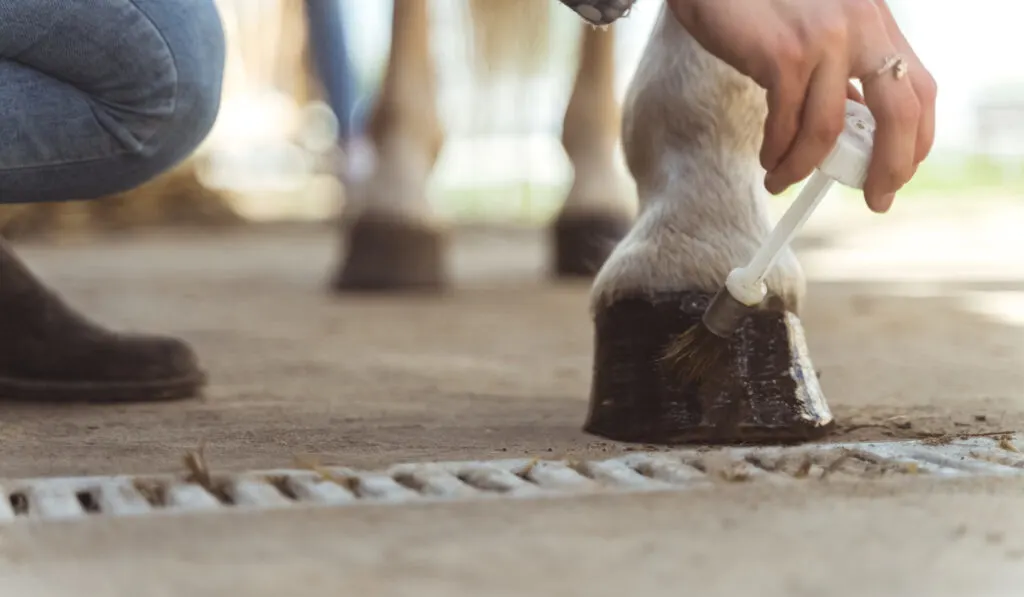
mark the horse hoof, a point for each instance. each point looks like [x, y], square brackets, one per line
[765, 391]
[583, 241]
[388, 253]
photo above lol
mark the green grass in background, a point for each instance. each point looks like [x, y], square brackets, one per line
[968, 177]
[523, 203]
[946, 177]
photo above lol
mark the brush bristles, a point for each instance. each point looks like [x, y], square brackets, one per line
[695, 353]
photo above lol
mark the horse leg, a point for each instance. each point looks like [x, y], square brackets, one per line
[598, 210]
[691, 135]
[395, 242]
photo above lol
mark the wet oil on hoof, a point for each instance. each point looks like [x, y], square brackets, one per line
[582, 242]
[766, 390]
[389, 254]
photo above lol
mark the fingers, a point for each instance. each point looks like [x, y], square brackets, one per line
[924, 84]
[924, 88]
[808, 88]
[897, 113]
[821, 122]
[853, 93]
[780, 128]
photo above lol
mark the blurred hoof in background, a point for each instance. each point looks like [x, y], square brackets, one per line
[583, 241]
[766, 390]
[388, 253]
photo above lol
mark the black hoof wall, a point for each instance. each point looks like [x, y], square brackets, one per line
[582, 242]
[765, 391]
[389, 254]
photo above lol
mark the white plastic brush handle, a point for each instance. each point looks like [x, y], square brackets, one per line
[847, 163]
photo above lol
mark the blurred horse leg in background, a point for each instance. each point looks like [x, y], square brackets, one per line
[394, 240]
[599, 209]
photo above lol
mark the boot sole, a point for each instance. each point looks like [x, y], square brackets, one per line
[138, 391]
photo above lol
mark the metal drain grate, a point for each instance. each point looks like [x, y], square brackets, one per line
[86, 497]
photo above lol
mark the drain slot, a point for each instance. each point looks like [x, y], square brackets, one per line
[19, 504]
[556, 475]
[618, 474]
[671, 471]
[280, 483]
[54, 501]
[723, 467]
[317, 490]
[494, 479]
[154, 492]
[121, 497]
[434, 481]
[87, 501]
[382, 487]
[808, 464]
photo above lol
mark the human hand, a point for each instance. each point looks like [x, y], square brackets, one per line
[804, 53]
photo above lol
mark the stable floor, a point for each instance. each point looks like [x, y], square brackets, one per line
[914, 320]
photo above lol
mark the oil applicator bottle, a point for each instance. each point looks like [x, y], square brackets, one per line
[703, 347]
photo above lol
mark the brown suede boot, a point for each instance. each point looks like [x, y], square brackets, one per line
[50, 352]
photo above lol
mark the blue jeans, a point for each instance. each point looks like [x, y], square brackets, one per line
[99, 96]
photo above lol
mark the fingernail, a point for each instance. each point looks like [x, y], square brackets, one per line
[771, 183]
[887, 201]
[883, 203]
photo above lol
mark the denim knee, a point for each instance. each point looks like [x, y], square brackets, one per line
[105, 97]
[194, 36]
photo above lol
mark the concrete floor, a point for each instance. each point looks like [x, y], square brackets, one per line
[911, 538]
[499, 368]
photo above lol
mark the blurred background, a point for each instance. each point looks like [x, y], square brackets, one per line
[502, 159]
[279, 152]
[274, 153]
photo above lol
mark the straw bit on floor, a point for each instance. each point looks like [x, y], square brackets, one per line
[311, 464]
[198, 469]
